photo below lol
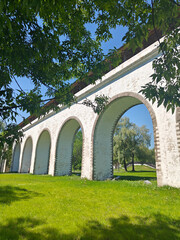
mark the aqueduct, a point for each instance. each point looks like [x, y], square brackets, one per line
[46, 147]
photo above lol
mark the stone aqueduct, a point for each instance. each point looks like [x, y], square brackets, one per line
[46, 147]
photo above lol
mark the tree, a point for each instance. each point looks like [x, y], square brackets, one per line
[145, 155]
[128, 140]
[5, 148]
[49, 43]
[77, 151]
[138, 137]
[121, 142]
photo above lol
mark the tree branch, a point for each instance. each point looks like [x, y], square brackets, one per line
[173, 1]
[21, 105]
[46, 85]
[18, 84]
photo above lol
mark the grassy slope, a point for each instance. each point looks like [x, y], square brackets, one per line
[141, 173]
[45, 207]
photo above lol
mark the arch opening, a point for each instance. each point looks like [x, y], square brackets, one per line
[104, 130]
[77, 152]
[133, 145]
[42, 153]
[26, 158]
[64, 147]
[16, 156]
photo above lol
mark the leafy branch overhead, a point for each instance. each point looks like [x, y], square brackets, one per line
[98, 104]
[49, 43]
[165, 85]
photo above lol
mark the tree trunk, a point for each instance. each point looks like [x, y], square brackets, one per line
[125, 167]
[133, 170]
[118, 159]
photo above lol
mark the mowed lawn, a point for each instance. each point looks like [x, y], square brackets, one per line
[44, 207]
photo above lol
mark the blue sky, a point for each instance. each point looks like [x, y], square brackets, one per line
[138, 114]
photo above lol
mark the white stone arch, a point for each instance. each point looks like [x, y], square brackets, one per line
[16, 157]
[42, 154]
[26, 155]
[103, 130]
[64, 146]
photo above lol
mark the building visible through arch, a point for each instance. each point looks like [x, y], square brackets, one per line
[52, 135]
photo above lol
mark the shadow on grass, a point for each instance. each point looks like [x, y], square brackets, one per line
[76, 173]
[161, 227]
[122, 228]
[142, 171]
[134, 178]
[9, 194]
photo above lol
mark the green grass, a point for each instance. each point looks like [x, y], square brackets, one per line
[44, 207]
[141, 173]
